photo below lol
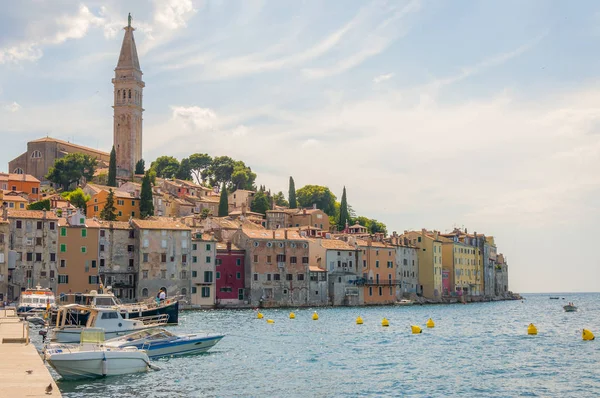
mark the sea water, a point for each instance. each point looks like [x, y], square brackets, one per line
[475, 350]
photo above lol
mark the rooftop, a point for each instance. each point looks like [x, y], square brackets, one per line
[336, 244]
[160, 223]
[278, 234]
[36, 214]
[49, 139]
[18, 177]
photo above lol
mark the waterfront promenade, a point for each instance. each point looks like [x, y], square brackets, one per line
[22, 371]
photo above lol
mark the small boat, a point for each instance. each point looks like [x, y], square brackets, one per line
[91, 359]
[68, 330]
[554, 298]
[570, 307]
[405, 302]
[34, 302]
[160, 342]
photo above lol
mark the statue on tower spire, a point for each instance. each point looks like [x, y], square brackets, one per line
[129, 20]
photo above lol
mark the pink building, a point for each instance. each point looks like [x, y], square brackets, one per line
[230, 274]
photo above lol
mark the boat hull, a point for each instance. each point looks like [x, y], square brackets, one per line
[177, 348]
[73, 335]
[172, 310]
[89, 365]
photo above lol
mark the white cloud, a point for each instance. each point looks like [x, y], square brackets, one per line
[13, 107]
[173, 14]
[240, 131]
[203, 119]
[382, 78]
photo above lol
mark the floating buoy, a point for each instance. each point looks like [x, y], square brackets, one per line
[415, 329]
[531, 329]
[587, 335]
[270, 321]
[430, 323]
[385, 322]
[292, 315]
[359, 321]
[315, 316]
[259, 316]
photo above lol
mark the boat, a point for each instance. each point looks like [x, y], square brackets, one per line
[106, 299]
[68, 329]
[405, 302]
[570, 307]
[34, 302]
[91, 358]
[554, 298]
[159, 342]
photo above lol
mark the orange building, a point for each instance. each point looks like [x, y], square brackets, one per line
[127, 204]
[77, 254]
[376, 263]
[21, 183]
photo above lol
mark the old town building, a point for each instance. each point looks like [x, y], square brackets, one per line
[203, 261]
[118, 259]
[230, 275]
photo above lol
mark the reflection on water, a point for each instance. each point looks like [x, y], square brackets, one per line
[475, 350]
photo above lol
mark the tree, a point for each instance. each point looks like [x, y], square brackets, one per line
[140, 167]
[260, 203]
[242, 176]
[146, 204]
[165, 166]
[184, 172]
[109, 212]
[72, 168]
[223, 204]
[318, 195]
[292, 194]
[112, 169]
[39, 205]
[372, 225]
[220, 170]
[279, 199]
[198, 163]
[343, 211]
[77, 198]
[206, 212]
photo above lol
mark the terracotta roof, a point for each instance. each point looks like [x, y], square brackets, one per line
[314, 268]
[211, 199]
[278, 234]
[32, 214]
[13, 198]
[357, 225]
[160, 223]
[48, 139]
[18, 177]
[239, 213]
[114, 224]
[89, 223]
[336, 244]
[362, 242]
[118, 193]
[223, 246]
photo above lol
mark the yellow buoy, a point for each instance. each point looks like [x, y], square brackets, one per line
[531, 329]
[359, 321]
[315, 316]
[292, 315]
[587, 335]
[430, 323]
[270, 321]
[385, 322]
[415, 329]
[259, 316]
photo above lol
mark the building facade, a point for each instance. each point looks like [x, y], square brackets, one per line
[407, 267]
[230, 275]
[377, 265]
[126, 204]
[429, 249]
[4, 272]
[118, 262]
[21, 183]
[203, 281]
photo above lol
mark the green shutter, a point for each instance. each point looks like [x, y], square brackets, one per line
[63, 248]
[63, 231]
[84, 233]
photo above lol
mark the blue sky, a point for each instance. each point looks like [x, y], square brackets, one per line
[432, 113]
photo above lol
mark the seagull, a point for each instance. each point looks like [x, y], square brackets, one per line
[29, 372]
[49, 389]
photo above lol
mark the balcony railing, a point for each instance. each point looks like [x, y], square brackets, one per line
[371, 282]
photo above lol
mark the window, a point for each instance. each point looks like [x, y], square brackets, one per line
[238, 261]
[130, 248]
[51, 226]
[370, 290]
[163, 274]
[63, 231]
[276, 277]
[194, 290]
[38, 256]
[84, 233]
[208, 276]
[39, 225]
[83, 249]
[206, 291]
[102, 262]
[36, 155]
[376, 263]
[120, 202]
[218, 261]
[300, 277]
[144, 274]
[183, 275]
[93, 279]
[293, 260]
[255, 258]
[380, 291]
[52, 256]
[19, 224]
[163, 258]
[208, 246]
[268, 277]
[269, 259]
[120, 213]
[289, 277]
[255, 277]
[218, 276]
[102, 233]
[145, 257]
[208, 259]
[304, 260]
[194, 259]
[63, 279]
[240, 294]
[63, 248]
[101, 248]
[63, 263]
[194, 246]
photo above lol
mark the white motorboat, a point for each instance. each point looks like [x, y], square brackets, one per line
[91, 359]
[160, 342]
[34, 302]
[405, 302]
[68, 330]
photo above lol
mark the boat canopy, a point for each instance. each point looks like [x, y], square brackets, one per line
[92, 335]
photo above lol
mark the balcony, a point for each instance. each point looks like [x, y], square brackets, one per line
[370, 282]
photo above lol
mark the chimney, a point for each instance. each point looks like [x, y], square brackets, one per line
[229, 246]
[44, 214]
[436, 234]
[314, 206]
[466, 231]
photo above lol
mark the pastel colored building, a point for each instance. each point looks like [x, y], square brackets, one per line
[77, 254]
[203, 263]
[430, 261]
[22, 183]
[127, 204]
[407, 266]
[13, 200]
[118, 262]
[4, 271]
[230, 274]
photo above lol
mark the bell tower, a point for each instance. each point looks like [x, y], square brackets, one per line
[128, 87]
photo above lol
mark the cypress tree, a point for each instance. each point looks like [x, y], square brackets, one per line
[109, 212]
[223, 204]
[146, 205]
[140, 166]
[343, 211]
[112, 169]
[292, 195]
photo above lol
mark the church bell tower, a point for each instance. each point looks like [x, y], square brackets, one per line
[128, 86]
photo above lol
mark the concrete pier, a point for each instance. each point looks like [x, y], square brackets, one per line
[22, 371]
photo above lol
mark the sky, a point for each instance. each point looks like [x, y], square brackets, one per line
[433, 114]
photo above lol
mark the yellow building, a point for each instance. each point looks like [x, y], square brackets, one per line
[127, 205]
[464, 262]
[430, 261]
[13, 200]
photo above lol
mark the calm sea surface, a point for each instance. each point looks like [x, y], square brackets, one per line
[475, 350]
